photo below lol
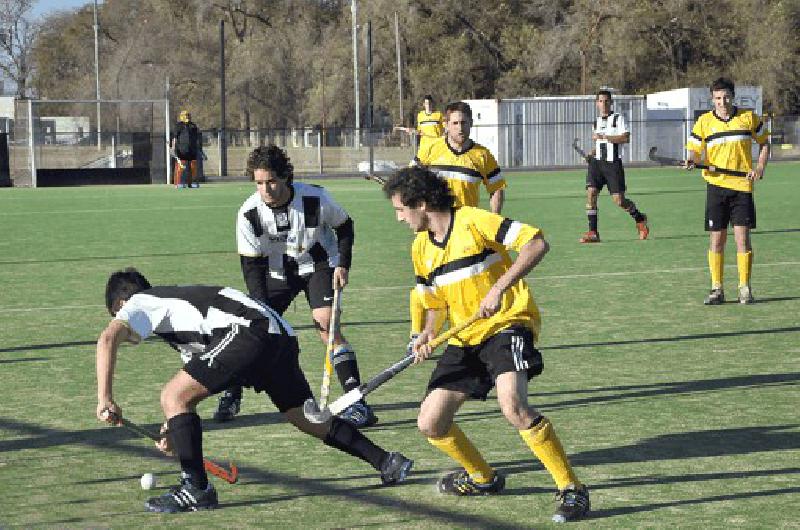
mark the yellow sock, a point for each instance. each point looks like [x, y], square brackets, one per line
[744, 262]
[457, 446]
[417, 312]
[715, 260]
[544, 443]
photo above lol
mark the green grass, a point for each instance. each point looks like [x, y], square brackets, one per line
[676, 414]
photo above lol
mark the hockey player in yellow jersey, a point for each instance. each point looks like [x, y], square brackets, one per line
[465, 166]
[462, 267]
[726, 135]
[429, 124]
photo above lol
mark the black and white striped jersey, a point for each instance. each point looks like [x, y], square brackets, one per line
[612, 125]
[192, 318]
[299, 235]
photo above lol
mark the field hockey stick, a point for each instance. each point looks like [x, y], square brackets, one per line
[376, 179]
[230, 476]
[667, 161]
[315, 415]
[581, 152]
[333, 325]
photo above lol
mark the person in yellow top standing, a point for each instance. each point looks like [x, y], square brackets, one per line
[429, 124]
[726, 135]
[463, 267]
[464, 165]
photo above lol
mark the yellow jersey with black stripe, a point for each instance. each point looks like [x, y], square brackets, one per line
[464, 171]
[457, 273]
[430, 125]
[728, 143]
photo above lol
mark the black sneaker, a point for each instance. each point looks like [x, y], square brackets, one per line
[573, 503]
[183, 498]
[460, 483]
[359, 415]
[230, 403]
[395, 468]
[715, 297]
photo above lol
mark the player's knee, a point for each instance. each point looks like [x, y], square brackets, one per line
[620, 201]
[431, 425]
[171, 402]
[518, 414]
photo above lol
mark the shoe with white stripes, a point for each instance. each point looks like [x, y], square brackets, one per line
[573, 503]
[183, 498]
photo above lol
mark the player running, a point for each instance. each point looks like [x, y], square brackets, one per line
[462, 265]
[292, 238]
[224, 337]
[726, 134]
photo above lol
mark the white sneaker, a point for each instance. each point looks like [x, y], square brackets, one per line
[745, 295]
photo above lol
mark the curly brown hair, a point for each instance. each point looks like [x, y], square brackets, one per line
[271, 158]
[416, 185]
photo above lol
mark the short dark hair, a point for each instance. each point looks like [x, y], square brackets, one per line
[428, 97]
[123, 284]
[603, 92]
[723, 83]
[458, 106]
[416, 185]
[270, 158]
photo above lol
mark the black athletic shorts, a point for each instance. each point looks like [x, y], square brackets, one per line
[253, 357]
[473, 370]
[725, 206]
[318, 287]
[602, 173]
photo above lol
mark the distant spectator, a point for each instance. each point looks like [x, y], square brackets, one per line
[186, 147]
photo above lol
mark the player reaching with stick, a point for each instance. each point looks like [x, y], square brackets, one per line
[462, 264]
[605, 168]
[224, 337]
[292, 238]
[726, 135]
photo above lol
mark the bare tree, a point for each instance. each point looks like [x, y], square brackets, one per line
[17, 35]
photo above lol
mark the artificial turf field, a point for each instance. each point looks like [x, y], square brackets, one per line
[676, 414]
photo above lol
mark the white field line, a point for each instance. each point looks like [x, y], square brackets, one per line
[406, 287]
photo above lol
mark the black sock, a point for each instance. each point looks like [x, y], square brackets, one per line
[186, 437]
[634, 212]
[592, 215]
[344, 362]
[347, 438]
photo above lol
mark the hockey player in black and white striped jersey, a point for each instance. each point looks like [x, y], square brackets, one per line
[291, 238]
[610, 133]
[224, 337]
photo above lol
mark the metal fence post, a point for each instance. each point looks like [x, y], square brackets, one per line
[31, 143]
[319, 150]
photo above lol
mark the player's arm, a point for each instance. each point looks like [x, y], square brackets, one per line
[761, 165]
[108, 343]
[254, 265]
[623, 138]
[496, 201]
[530, 254]
[345, 237]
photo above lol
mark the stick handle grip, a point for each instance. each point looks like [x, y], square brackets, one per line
[406, 361]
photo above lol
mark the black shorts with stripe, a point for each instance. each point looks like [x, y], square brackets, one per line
[474, 369]
[603, 173]
[725, 206]
[253, 357]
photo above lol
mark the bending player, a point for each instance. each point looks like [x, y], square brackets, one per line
[292, 238]
[462, 265]
[223, 337]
